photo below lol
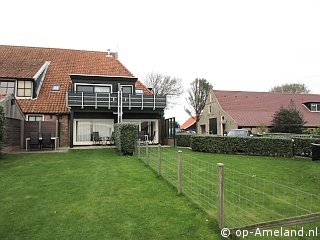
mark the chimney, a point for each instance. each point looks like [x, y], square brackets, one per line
[109, 55]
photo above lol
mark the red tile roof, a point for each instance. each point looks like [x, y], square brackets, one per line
[258, 108]
[24, 62]
[188, 123]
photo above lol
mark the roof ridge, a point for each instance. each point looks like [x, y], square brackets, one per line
[257, 92]
[52, 48]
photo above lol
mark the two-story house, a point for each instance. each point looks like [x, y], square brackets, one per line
[84, 91]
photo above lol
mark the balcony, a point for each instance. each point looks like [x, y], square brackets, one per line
[110, 100]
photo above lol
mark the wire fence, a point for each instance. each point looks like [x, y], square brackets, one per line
[248, 199]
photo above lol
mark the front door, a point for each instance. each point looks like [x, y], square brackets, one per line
[213, 126]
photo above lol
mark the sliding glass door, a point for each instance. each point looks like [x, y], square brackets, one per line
[83, 129]
[149, 127]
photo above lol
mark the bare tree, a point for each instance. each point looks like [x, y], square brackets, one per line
[291, 88]
[197, 97]
[164, 85]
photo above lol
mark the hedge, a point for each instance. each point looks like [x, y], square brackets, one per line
[248, 146]
[302, 146]
[184, 139]
[125, 138]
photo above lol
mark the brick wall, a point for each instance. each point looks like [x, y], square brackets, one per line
[64, 130]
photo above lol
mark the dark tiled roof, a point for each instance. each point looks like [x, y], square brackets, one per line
[258, 108]
[24, 62]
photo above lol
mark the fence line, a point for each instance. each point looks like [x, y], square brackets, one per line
[248, 199]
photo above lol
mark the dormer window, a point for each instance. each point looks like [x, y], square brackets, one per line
[7, 87]
[20, 88]
[315, 107]
[24, 89]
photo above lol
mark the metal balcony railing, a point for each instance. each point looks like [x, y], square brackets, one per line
[110, 100]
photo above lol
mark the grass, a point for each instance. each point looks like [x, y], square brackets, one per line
[96, 194]
[92, 194]
[257, 188]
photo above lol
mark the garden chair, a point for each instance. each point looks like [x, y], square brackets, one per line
[151, 139]
[46, 141]
[96, 138]
[34, 140]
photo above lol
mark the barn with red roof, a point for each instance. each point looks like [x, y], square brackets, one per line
[227, 110]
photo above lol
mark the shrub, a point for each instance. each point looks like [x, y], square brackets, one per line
[125, 138]
[238, 145]
[288, 120]
[184, 140]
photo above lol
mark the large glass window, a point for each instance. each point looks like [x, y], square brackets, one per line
[83, 129]
[7, 87]
[24, 89]
[146, 127]
[93, 88]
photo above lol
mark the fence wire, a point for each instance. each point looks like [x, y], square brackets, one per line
[199, 182]
[248, 199]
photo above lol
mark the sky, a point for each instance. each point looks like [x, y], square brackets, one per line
[246, 45]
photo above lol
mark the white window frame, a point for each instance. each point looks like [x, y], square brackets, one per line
[75, 142]
[315, 105]
[34, 115]
[93, 84]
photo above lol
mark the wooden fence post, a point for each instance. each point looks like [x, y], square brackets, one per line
[179, 172]
[147, 154]
[220, 187]
[139, 149]
[159, 160]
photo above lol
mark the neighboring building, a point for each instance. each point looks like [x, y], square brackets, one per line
[226, 110]
[79, 89]
[14, 123]
[189, 125]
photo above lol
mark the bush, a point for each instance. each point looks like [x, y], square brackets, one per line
[237, 145]
[184, 139]
[125, 138]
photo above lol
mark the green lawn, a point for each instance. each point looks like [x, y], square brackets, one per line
[96, 194]
[257, 189]
[92, 194]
